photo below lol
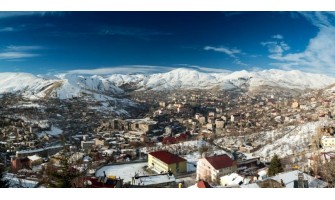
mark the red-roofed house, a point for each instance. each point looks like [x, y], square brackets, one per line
[163, 161]
[212, 168]
[203, 184]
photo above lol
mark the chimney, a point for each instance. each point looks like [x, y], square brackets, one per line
[282, 183]
[203, 155]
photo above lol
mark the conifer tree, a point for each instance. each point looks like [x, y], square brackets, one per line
[64, 175]
[275, 166]
[3, 182]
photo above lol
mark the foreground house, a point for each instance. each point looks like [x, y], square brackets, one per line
[20, 163]
[291, 179]
[212, 168]
[164, 161]
[201, 184]
[157, 180]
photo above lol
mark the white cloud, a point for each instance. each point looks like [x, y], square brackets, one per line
[232, 52]
[320, 19]
[276, 47]
[255, 69]
[7, 29]
[15, 55]
[229, 51]
[129, 69]
[239, 62]
[205, 69]
[18, 53]
[319, 55]
[143, 69]
[278, 36]
[23, 48]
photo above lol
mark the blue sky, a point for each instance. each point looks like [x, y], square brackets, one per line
[130, 42]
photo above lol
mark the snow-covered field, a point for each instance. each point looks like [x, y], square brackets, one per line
[125, 171]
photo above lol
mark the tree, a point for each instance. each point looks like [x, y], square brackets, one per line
[64, 175]
[275, 166]
[3, 182]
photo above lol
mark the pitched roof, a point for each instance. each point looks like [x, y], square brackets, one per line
[167, 157]
[203, 184]
[220, 161]
[290, 176]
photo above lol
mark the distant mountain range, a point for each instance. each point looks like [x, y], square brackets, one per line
[107, 86]
[183, 78]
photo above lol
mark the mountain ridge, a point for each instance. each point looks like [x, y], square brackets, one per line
[104, 87]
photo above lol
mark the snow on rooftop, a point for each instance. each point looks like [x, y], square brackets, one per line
[233, 179]
[54, 132]
[34, 157]
[39, 150]
[289, 177]
[20, 183]
[144, 121]
[155, 179]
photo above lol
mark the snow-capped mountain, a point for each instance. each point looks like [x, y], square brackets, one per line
[61, 86]
[105, 87]
[191, 79]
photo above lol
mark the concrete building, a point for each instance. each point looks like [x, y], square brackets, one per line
[211, 114]
[202, 120]
[100, 142]
[327, 141]
[144, 125]
[235, 118]
[197, 115]
[219, 123]
[209, 126]
[168, 130]
[20, 163]
[212, 168]
[162, 104]
[211, 120]
[295, 105]
[86, 145]
[163, 161]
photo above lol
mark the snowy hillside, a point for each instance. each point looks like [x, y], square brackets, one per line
[61, 86]
[191, 79]
[294, 142]
[24, 83]
[75, 85]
